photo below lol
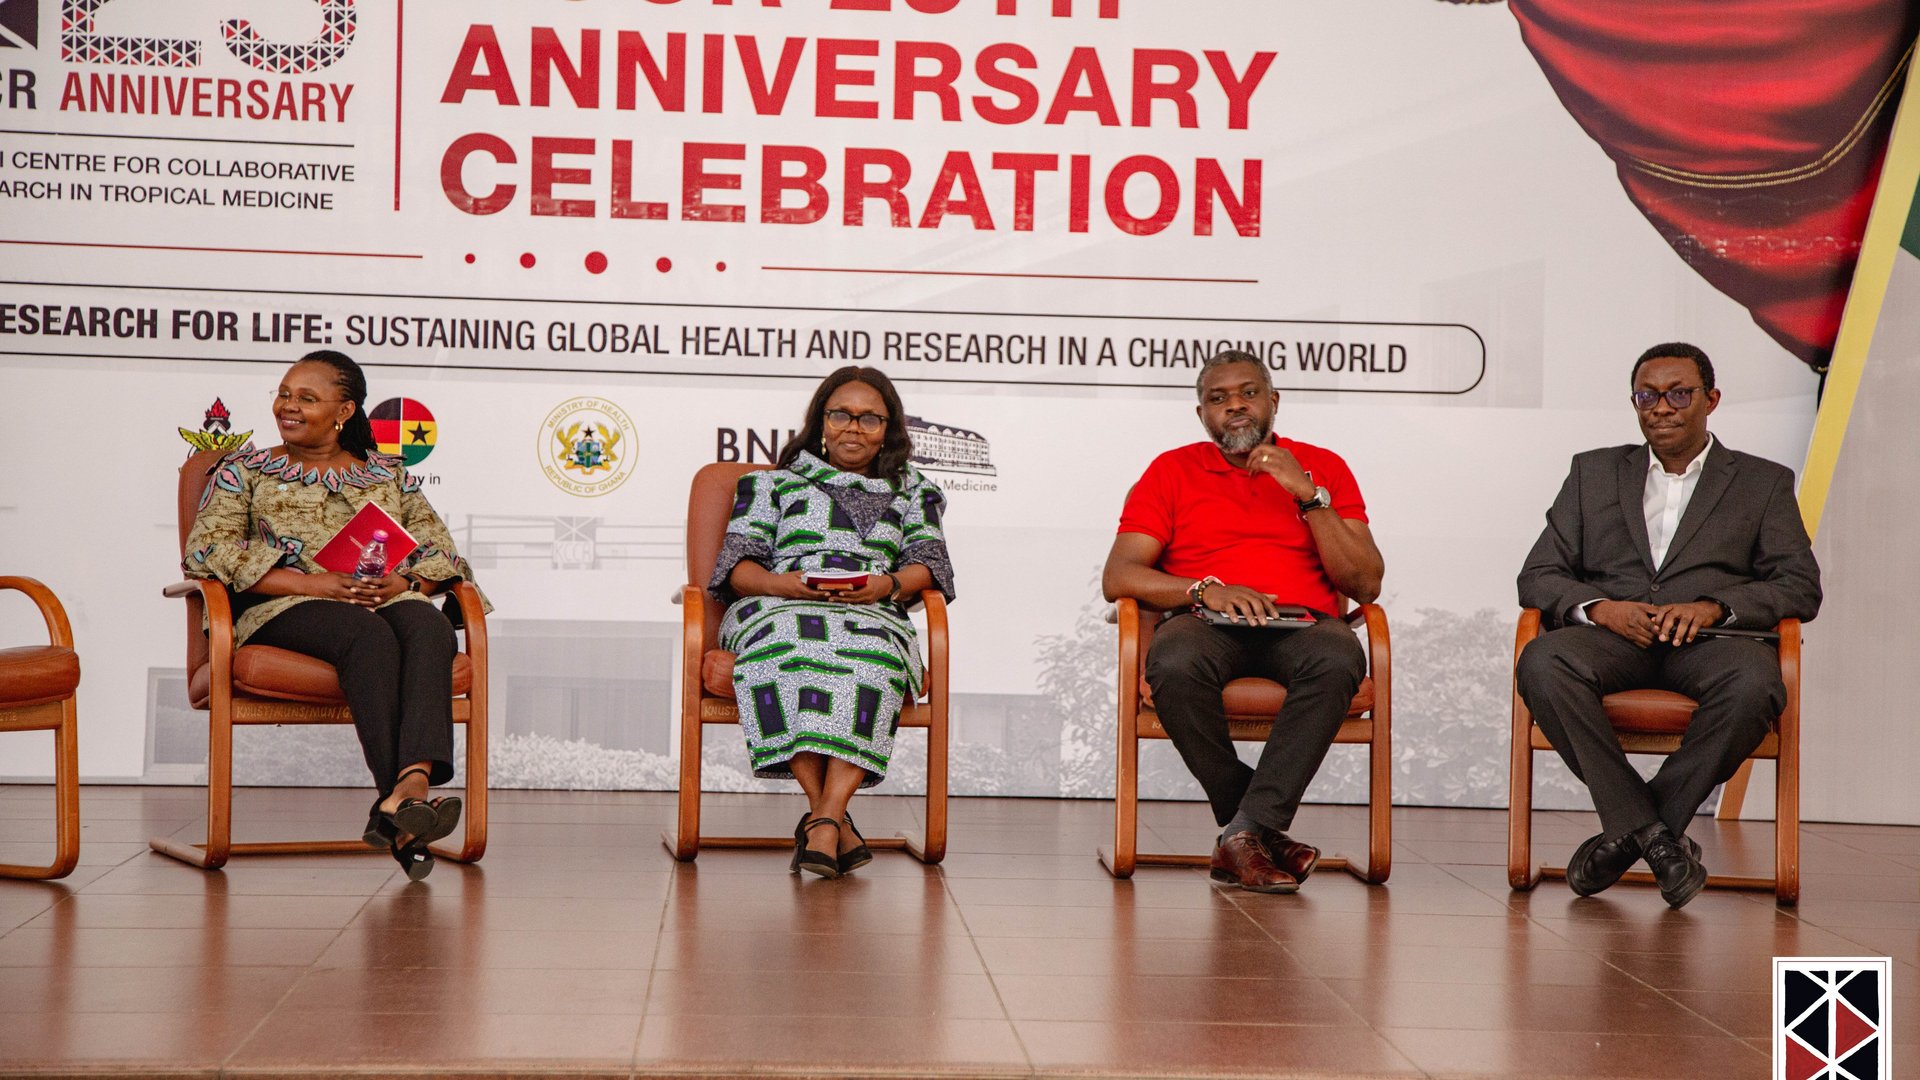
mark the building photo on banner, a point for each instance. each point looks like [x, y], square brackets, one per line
[584, 249]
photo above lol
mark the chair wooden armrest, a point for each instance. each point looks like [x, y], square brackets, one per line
[59, 631]
[936, 608]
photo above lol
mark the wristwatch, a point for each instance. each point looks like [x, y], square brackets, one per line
[414, 584]
[1322, 499]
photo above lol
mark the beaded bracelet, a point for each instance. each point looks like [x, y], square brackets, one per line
[1197, 592]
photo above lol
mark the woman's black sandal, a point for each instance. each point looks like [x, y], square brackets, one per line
[416, 817]
[380, 832]
[859, 855]
[414, 857]
[819, 862]
[799, 844]
[446, 815]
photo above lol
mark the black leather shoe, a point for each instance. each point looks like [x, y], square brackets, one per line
[1675, 864]
[1599, 862]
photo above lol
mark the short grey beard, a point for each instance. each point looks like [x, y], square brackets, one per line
[1242, 441]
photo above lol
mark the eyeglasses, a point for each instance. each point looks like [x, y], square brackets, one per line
[1679, 397]
[303, 399]
[867, 422]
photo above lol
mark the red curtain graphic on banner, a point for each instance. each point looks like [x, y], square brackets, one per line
[1749, 132]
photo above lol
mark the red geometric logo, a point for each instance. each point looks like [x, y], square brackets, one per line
[1830, 1018]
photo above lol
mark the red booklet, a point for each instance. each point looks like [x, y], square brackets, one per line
[342, 553]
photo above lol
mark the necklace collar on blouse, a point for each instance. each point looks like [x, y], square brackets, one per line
[265, 462]
[809, 466]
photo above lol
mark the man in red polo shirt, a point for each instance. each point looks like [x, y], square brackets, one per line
[1238, 525]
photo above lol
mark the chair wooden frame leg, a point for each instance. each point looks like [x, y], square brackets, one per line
[1522, 875]
[59, 718]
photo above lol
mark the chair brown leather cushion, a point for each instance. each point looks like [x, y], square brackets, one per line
[1654, 712]
[1263, 697]
[716, 673]
[37, 674]
[264, 671]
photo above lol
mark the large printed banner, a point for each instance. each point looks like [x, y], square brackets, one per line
[585, 247]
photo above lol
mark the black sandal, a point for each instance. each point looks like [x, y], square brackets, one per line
[414, 857]
[817, 862]
[799, 844]
[380, 831]
[415, 817]
[446, 815]
[860, 855]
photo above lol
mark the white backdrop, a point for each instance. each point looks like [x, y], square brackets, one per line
[1420, 188]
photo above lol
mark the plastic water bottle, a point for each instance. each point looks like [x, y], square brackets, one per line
[373, 558]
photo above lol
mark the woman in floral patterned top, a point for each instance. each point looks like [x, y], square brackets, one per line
[267, 513]
[821, 676]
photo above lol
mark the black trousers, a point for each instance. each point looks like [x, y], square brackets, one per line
[1564, 673]
[396, 668]
[1188, 665]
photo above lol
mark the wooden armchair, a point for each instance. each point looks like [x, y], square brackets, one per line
[1252, 705]
[37, 684]
[706, 684]
[1653, 722]
[259, 684]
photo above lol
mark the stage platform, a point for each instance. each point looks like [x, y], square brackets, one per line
[577, 947]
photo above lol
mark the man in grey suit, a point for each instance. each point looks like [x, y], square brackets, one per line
[1646, 547]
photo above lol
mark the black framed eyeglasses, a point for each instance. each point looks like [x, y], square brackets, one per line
[1679, 397]
[867, 422]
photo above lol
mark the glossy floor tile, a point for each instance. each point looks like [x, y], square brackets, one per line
[578, 948]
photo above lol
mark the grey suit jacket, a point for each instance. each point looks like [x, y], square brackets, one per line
[1740, 542]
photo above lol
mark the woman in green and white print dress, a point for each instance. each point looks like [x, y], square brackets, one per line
[821, 675]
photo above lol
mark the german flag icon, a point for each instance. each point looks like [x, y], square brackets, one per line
[404, 427]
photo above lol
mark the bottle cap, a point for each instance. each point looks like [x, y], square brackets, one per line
[379, 536]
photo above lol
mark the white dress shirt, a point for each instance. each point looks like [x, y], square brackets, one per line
[1666, 497]
[1663, 502]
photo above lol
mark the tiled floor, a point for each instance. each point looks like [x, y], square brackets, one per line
[577, 947]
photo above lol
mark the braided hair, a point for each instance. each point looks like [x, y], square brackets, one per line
[356, 434]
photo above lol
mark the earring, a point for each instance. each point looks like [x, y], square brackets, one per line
[337, 427]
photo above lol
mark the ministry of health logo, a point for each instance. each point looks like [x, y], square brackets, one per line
[584, 446]
[404, 427]
[1830, 1018]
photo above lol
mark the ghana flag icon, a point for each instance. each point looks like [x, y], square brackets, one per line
[403, 426]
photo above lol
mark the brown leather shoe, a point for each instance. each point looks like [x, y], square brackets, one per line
[1239, 859]
[1291, 855]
